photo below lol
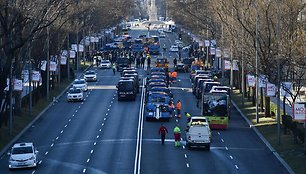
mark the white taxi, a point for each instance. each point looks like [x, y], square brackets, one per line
[22, 155]
[81, 84]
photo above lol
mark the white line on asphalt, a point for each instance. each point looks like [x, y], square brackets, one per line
[222, 140]
[52, 145]
[236, 167]
[76, 111]
[104, 119]
[88, 92]
[176, 120]
[65, 125]
[139, 133]
[46, 153]
[84, 99]
[73, 115]
[84, 170]
[183, 147]
[112, 101]
[108, 109]
[185, 155]
[82, 103]
[231, 156]
[102, 124]
[98, 136]
[88, 160]
[100, 130]
[33, 172]
[106, 114]
[87, 95]
[40, 162]
[79, 107]
[226, 148]
[187, 165]
[110, 105]
[62, 131]
[91, 151]
[218, 133]
[69, 120]
[56, 138]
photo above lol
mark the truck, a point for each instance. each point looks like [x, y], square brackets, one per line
[198, 135]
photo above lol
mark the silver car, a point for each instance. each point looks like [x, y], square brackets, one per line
[81, 84]
[90, 76]
[75, 94]
[22, 155]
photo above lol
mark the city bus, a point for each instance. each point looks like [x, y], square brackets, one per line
[216, 108]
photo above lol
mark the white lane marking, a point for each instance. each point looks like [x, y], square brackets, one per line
[95, 143]
[139, 133]
[46, 153]
[88, 160]
[218, 133]
[106, 114]
[183, 147]
[82, 103]
[33, 172]
[187, 165]
[84, 170]
[222, 140]
[231, 156]
[102, 124]
[112, 101]
[69, 120]
[65, 125]
[98, 136]
[84, 99]
[91, 151]
[110, 105]
[226, 148]
[76, 111]
[73, 115]
[113, 98]
[62, 131]
[236, 167]
[185, 155]
[56, 138]
[40, 162]
[79, 107]
[87, 95]
[108, 109]
[104, 119]
[100, 130]
[52, 145]
[176, 120]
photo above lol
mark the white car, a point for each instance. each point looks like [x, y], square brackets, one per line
[22, 155]
[105, 64]
[174, 48]
[90, 76]
[81, 84]
[162, 35]
[75, 94]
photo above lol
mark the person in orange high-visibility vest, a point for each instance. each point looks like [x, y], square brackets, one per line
[178, 108]
[174, 75]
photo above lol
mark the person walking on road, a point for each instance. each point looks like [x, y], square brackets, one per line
[178, 108]
[177, 135]
[162, 132]
[114, 68]
[174, 62]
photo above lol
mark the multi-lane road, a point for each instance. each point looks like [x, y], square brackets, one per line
[102, 135]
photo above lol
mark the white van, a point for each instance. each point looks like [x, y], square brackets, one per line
[198, 136]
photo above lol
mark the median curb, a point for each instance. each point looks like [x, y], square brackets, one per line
[263, 139]
[11, 143]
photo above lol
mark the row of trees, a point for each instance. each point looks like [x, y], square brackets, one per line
[280, 34]
[25, 27]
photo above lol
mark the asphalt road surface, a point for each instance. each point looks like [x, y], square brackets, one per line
[102, 135]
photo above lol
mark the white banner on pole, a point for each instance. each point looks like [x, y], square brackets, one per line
[17, 85]
[206, 43]
[251, 80]
[72, 54]
[201, 43]
[227, 65]
[81, 48]
[35, 76]
[43, 65]
[213, 43]
[74, 47]
[262, 81]
[270, 90]
[212, 51]
[235, 65]
[299, 111]
[25, 75]
[218, 52]
[63, 60]
[53, 66]
[226, 53]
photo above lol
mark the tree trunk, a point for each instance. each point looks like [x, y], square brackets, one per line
[267, 107]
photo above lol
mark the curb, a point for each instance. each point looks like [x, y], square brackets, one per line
[10, 144]
[263, 139]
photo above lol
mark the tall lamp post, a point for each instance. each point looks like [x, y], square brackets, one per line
[256, 47]
[278, 74]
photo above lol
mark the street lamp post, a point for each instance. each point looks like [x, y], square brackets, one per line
[278, 74]
[256, 47]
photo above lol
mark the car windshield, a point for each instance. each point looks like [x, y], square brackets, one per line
[22, 150]
[105, 61]
[208, 86]
[158, 100]
[79, 82]
[74, 91]
[89, 72]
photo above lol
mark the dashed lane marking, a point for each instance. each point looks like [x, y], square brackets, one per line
[231, 157]
[218, 133]
[222, 140]
[95, 143]
[62, 131]
[236, 167]
[56, 138]
[52, 145]
[33, 172]
[187, 165]
[84, 170]
[65, 125]
[185, 155]
[88, 160]
[46, 153]
[104, 119]
[91, 151]
[226, 148]
[100, 130]
[98, 136]
[40, 162]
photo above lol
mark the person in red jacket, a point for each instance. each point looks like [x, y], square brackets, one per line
[162, 132]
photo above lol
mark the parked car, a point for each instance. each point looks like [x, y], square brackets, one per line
[174, 48]
[81, 84]
[90, 76]
[105, 64]
[22, 155]
[75, 94]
